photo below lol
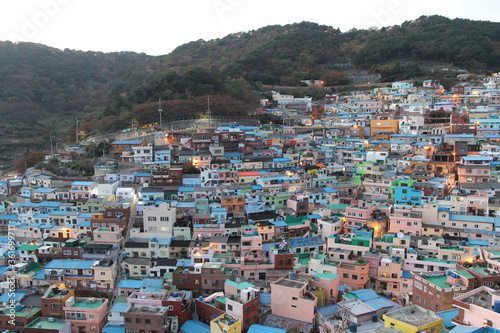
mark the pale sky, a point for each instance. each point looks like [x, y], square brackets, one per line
[157, 27]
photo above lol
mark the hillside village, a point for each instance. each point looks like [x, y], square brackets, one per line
[380, 213]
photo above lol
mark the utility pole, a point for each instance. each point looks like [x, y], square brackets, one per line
[51, 148]
[208, 111]
[77, 141]
[160, 111]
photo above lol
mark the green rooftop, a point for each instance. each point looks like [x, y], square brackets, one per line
[241, 286]
[35, 268]
[222, 299]
[46, 324]
[479, 271]
[439, 281]
[327, 276]
[28, 247]
[440, 261]
[343, 206]
[216, 265]
[87, 304]
[27, 312]
[465, 274]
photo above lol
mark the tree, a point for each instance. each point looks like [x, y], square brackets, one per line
[335, 78]
[240, 88]
[189, 168]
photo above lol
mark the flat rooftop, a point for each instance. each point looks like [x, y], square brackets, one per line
[147, 309]
[290, 284]
[414, 315]
[482, 298]
[87, 304]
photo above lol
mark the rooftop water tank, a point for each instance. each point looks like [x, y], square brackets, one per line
[496, 306]
[353, 327]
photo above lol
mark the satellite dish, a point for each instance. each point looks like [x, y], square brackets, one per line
[400, 235]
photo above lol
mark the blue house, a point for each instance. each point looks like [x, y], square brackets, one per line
[407, 196]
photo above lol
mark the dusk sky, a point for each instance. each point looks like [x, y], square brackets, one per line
[157, 27]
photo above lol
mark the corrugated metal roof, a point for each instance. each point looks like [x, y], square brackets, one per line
[195, 326]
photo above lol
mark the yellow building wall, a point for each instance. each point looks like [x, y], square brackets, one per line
[407, 328]
[218, 326]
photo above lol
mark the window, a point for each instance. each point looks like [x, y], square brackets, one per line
[147, 321]
[137, 320]
[230, 307]
[345, 275]
[295, 298]
[91, 316]
[354, 277]
[103, 273]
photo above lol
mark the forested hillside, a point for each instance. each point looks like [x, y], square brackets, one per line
[43, 90]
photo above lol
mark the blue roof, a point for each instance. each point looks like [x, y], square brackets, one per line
[195, 326]
[142, 174]
[474, 218]
[308, 241]
[407, 275]
[43, 190]
[84, 224]
[447, 315]
[184, 262]
[477, 158]
[120, 307]
[59, 213]
[17, 295]
[151, 285]
[4, 269]
[364, 294]
[113, 329]
[329, 310]
[185, 204]
[314, 216]
[382, 303]
[164, 241]
[82, 183]
[265, 298]
[9, 217]
[473, 242]
[130, 284]
[257, 328]
[344, 288]
[185, 189]
[70, 264]
[469, 329]
[280, 223]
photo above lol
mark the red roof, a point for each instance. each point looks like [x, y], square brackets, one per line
[321, 165]
[248, 173]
